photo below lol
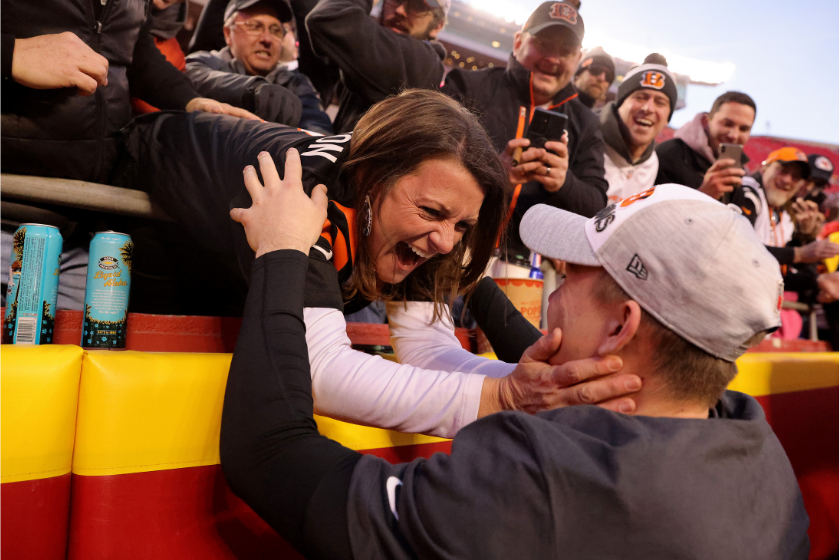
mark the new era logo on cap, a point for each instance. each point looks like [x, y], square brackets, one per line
[560, 10]
[655, 80]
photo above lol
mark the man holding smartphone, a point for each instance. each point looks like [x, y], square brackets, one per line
[692, 157]
[568, 172]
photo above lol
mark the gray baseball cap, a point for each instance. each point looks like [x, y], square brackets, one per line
[282, 7]
[693, 263]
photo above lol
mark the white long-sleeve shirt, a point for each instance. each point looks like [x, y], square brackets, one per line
[436, 389]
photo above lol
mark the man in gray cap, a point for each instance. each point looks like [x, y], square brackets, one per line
[569, 172]
[248, 73]
[695, 472]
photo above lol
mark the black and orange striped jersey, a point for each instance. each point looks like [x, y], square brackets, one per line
[192, 164]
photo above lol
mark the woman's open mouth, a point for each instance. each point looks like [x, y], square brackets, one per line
[409, 256]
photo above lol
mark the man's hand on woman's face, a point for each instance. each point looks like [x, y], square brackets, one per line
[535, 385]
[281, 216]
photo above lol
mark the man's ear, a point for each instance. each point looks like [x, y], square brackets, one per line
[623, 328]
[434, 32]
[517, 42]
[226, 31]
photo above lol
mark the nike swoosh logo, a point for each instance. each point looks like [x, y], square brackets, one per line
[328, 254]
[391, 487]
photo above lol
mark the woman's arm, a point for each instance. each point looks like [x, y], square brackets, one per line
[422, 342]
[357, 387]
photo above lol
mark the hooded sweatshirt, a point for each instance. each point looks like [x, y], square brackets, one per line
[685, 158]
[624, 176]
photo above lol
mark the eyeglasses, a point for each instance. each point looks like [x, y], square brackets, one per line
[413, 8]
[257, 28]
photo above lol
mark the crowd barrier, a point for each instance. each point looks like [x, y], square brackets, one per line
[115, 454]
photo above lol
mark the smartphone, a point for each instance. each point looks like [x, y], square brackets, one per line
[545, 127]
[731, 151]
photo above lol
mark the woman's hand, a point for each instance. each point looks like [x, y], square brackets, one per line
[536, 385]
[281, 216]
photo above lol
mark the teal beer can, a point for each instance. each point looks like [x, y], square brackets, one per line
[33, 285]
[106, 291]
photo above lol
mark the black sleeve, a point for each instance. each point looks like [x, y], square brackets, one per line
[7, 52]
[320, 70]
[506, 329]
[802, 279]
[375, 62]
[209, 35]
[271, 452]
[153, 79]
[585, 190]
[784, 255]
[745, 198]
[210, 80]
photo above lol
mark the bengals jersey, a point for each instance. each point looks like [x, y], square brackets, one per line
[192, 163]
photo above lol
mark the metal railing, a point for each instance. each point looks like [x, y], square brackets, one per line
[22, 195]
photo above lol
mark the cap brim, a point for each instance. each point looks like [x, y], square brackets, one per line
[282, 7]
[537, 28]
[557, 234]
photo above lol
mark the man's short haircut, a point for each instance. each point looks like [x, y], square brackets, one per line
[691, 374]
[733, 97]
[438, 17]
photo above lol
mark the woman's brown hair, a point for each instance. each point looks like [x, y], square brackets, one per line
[389, 142]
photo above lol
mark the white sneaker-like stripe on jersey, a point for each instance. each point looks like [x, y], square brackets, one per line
[391, 487]
[328, 254]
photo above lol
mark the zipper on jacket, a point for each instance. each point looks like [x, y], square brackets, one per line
[100, 101]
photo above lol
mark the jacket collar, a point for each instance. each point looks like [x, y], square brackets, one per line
[520, 77]
[614, 132]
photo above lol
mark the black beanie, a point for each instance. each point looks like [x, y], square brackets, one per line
[653, 74]
[597, 56]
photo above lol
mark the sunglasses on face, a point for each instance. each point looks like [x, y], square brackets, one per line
[597, 70]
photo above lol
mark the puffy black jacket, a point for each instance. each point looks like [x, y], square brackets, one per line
[498, 95]
[59, 133]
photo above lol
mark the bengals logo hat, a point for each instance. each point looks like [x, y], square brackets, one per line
[649, 76]
[693, 263]
[549, 14]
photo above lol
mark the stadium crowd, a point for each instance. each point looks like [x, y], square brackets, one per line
[417, 181]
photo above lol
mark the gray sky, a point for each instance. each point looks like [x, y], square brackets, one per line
[786, 54]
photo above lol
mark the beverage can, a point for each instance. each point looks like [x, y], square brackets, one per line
[107, 290]
[33, 285]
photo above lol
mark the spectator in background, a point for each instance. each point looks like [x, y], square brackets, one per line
[594, 76]
[67, 72]
[690, 158]
[248, 72]
[378, 58]
[789, 235]
[646, 100]
[821, 171]
[568, 173]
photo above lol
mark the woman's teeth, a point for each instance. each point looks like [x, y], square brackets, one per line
[420, 253]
